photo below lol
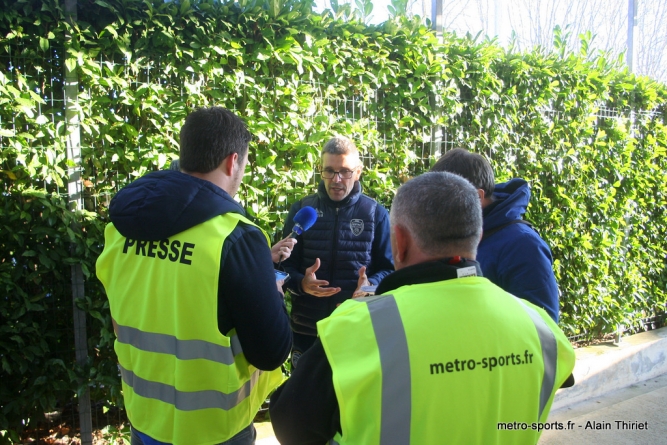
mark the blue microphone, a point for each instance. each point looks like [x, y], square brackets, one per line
[303, 220]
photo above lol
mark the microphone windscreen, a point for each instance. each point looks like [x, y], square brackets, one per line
[304, 219]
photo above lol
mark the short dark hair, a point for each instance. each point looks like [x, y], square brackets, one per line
[472, 166]
[208, 136]
[442, 212]
[340, 145]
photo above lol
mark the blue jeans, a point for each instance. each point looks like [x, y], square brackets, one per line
[245, 437]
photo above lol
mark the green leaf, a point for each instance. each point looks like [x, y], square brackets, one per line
[40, 380]
[70, 63]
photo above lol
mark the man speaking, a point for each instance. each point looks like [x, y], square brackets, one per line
[440, 355]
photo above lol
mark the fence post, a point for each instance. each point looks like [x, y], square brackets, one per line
[75, 192]
[436, 16]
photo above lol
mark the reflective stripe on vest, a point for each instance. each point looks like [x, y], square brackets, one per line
[549, 356]
[182, 349]
[395, 362]
[188, 401]
[395, 419]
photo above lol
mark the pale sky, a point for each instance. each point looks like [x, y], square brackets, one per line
[379, 14]
[606, 19]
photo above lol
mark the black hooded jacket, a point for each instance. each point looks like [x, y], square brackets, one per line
[162, 204]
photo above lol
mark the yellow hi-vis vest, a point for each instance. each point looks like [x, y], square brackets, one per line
[183, 381]
[452, 362]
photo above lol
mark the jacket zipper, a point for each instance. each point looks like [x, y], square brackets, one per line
[334, 250]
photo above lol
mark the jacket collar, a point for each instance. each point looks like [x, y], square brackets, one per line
[164, 203]
[511, 199]
[429, 272]
[349, 200]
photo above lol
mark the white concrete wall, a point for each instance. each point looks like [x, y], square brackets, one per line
[608, 367]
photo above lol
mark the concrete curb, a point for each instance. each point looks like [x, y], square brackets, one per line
[608, 367]
[599, 370]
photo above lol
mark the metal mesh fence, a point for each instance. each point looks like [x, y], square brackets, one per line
[367, 112]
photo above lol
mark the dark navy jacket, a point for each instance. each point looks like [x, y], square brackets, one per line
[515, 257]
[347, 235]
[164, 203]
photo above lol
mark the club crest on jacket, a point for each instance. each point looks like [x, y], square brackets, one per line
[357, 226]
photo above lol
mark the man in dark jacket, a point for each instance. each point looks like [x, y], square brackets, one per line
[201, 325]
[512, 254]
[347, 247]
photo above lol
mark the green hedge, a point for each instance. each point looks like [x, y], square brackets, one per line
[298, 77]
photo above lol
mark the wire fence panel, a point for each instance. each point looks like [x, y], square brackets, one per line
[136, 104]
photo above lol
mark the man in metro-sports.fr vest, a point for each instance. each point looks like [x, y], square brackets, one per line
[439, 355]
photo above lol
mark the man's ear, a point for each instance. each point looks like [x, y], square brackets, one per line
[402, 237]
[229, 163]
[357, 175]
[480, 192]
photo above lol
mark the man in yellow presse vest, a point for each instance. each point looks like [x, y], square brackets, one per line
[440, 355]
[201, 325]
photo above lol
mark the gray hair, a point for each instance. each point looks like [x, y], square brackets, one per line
[340, 145]
[442, 211]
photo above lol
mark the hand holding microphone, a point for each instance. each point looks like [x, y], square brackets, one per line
[282, 249]
[303, 220]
